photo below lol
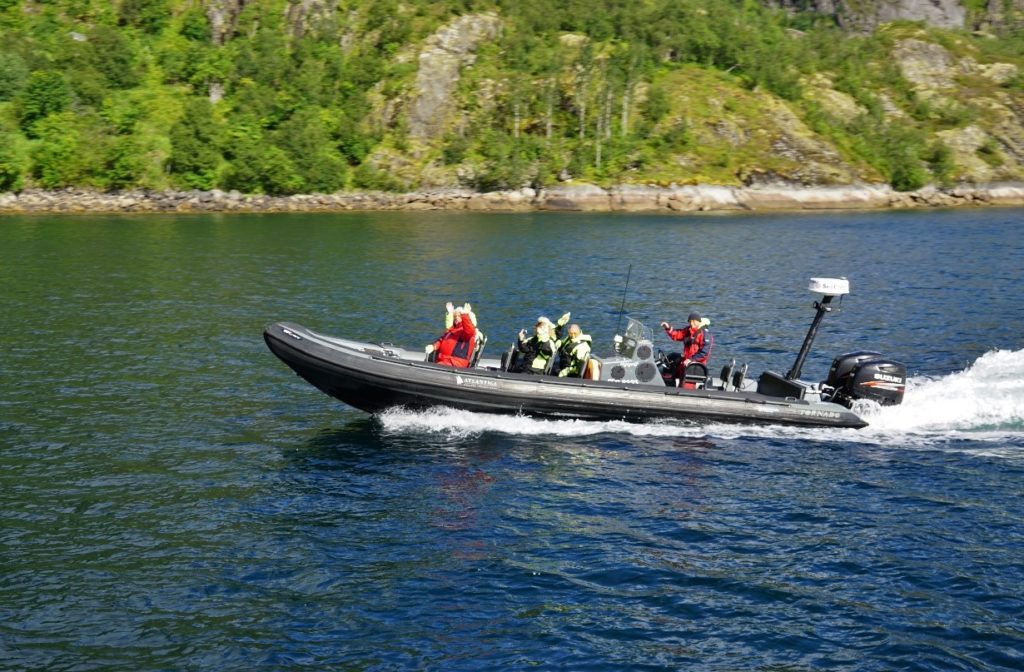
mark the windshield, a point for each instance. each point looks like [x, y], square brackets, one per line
[625, 344]
[638, 331]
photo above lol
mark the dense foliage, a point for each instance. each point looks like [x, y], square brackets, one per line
[282, 97]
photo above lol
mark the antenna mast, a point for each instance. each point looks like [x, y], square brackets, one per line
[622, 307]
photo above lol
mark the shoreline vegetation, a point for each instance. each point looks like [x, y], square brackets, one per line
[565, 198]
[668, 105]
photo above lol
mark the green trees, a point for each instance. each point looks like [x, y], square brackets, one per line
[46, 92]
[65, 154]
[12, 164]
[260, 168]
[297, 157]
[149, 16]
[293, 97]
[122, 164]
[306, 140]
[194, 138]
[905, 168]
[13, 74]
[111, 53]
[195, 25]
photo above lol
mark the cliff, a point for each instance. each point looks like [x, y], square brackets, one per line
[867, 15]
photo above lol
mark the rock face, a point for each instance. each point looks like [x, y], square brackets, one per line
[1003, 14]
[866, 15]
[964, 143]
[446, 52]
[303, 15]
[222, 15]
[817, 161]
[941, 13]
[990, 154]
[926, 65]
[840, 105]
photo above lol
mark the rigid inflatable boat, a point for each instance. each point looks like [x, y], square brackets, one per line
[635, 382]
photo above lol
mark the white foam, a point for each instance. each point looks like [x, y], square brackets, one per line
[455, 423]
[985, 398]
[984, 402]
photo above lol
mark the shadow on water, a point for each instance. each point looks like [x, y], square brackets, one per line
[354, 441]
[365, 446]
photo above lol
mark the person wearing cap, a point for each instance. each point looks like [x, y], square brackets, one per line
[697, 341]
[535, 351]
[456, 345]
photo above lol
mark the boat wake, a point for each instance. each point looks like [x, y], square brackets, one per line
[455, 423]
[982, 403]
[984, 400]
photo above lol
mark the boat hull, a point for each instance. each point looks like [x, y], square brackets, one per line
[373, 378]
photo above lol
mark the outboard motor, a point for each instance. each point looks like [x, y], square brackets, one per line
[867, 375]
[855, 375]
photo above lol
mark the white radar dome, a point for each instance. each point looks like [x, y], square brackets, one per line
[830, 286]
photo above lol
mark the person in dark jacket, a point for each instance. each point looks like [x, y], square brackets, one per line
[456, 345]
[697, 341]
[534, 352]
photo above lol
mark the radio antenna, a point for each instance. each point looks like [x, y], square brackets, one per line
[622, 307]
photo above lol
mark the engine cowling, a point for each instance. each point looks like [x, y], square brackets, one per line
[867, 375]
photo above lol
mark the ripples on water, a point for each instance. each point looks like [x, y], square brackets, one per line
[172, 498]
[813, 547]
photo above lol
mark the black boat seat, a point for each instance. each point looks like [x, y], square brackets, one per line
[737, 378]
[695, 375]
[726, 374]
[550, 365]
[667, 365]
[509, 357]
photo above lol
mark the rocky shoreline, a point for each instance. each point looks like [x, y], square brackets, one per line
[575, 197]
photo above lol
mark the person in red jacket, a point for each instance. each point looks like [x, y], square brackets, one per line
[697, 341]
[455, 347]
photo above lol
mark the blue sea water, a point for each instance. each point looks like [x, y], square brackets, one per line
[172, 497]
